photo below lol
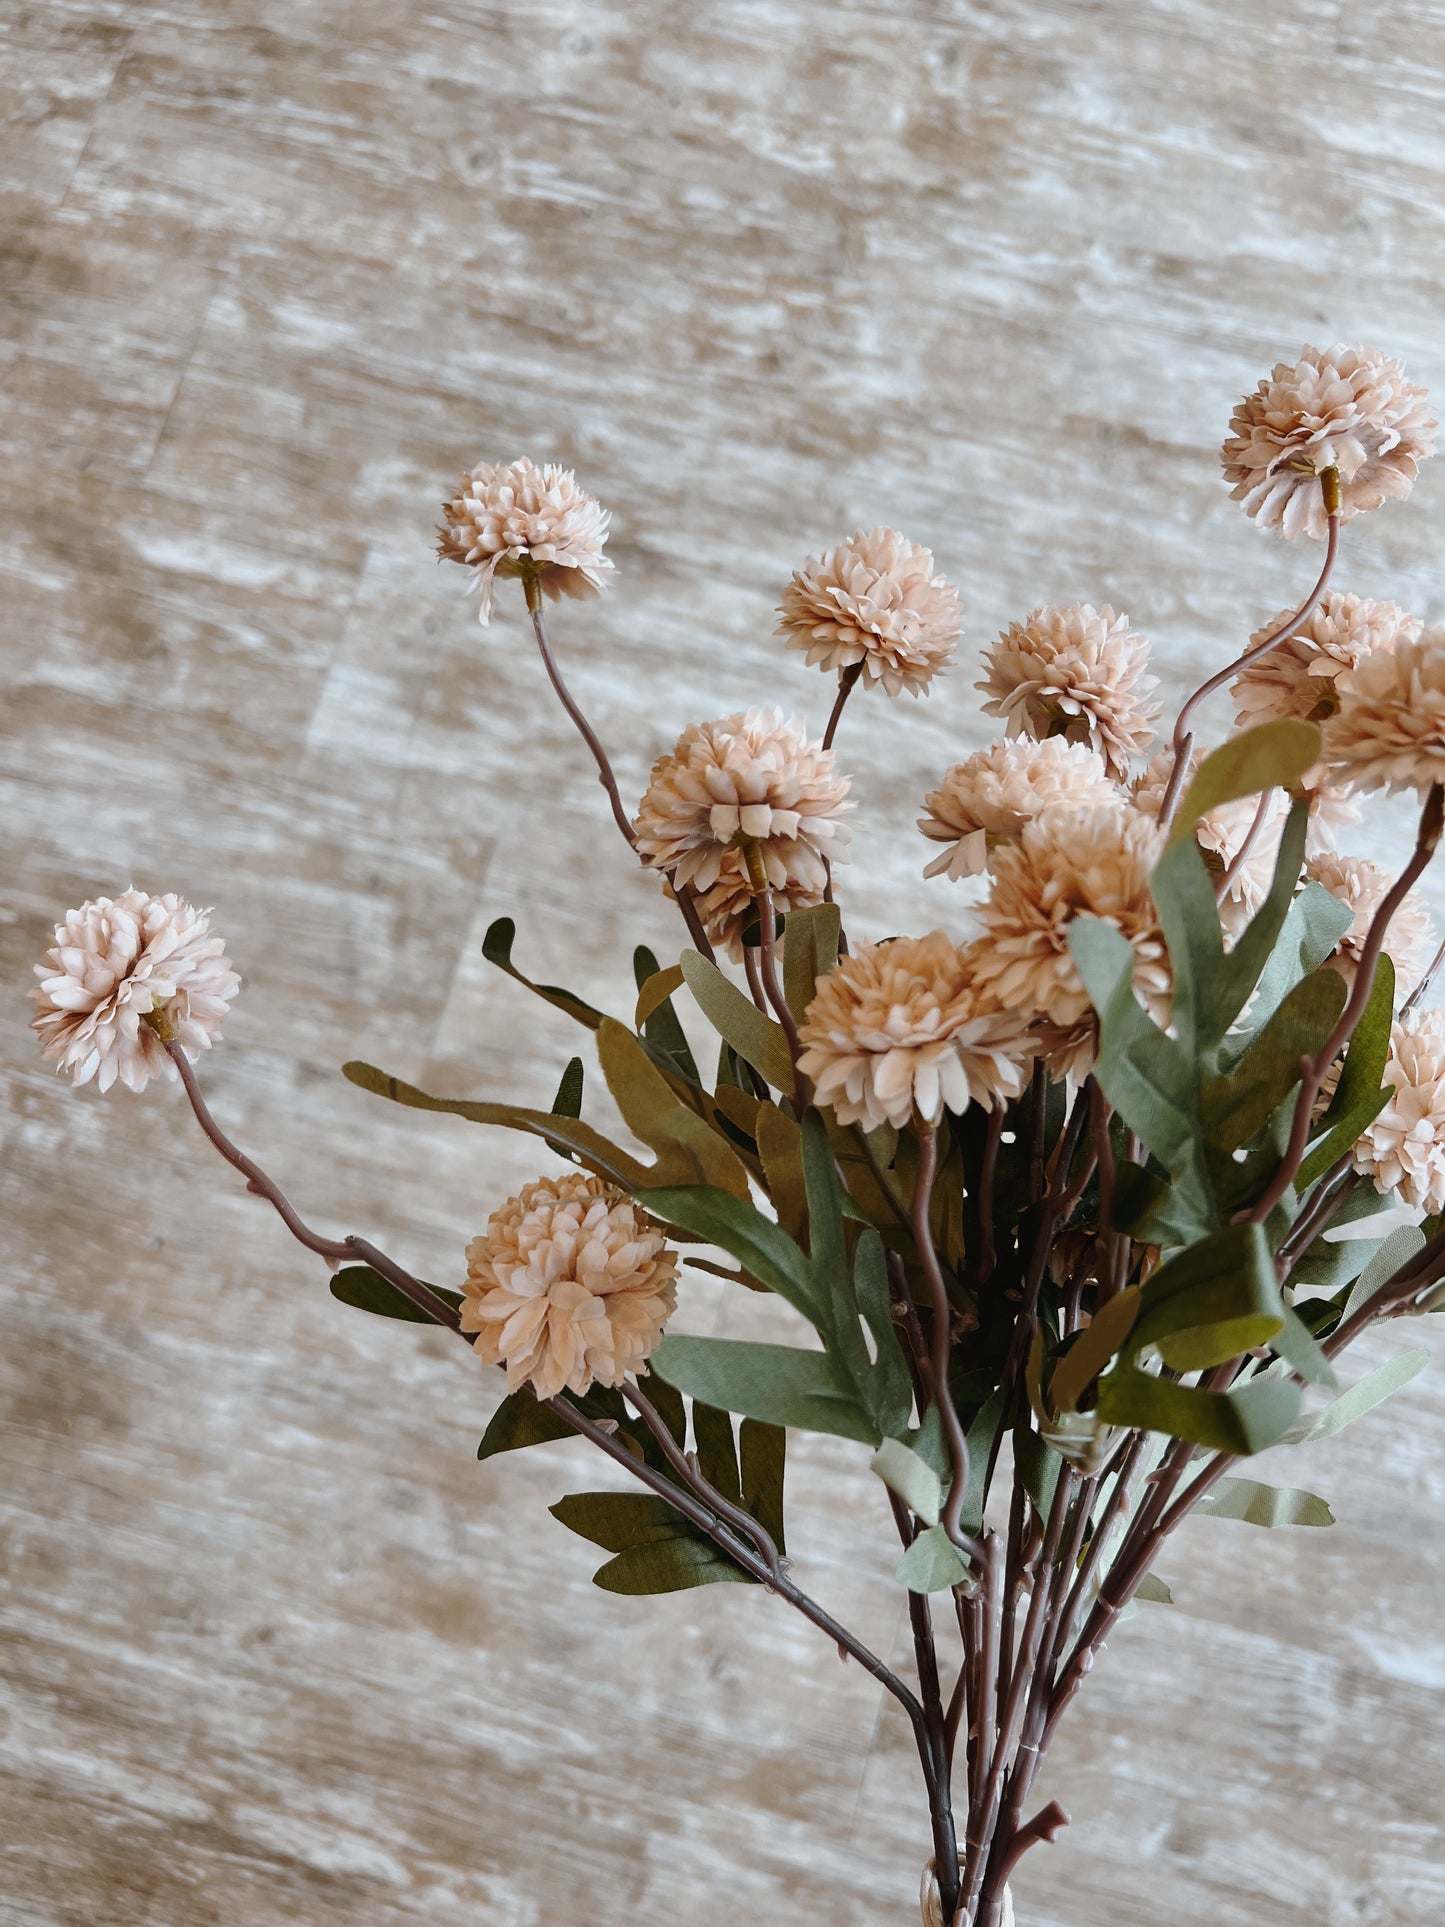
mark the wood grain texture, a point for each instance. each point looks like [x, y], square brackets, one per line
[276, 1649]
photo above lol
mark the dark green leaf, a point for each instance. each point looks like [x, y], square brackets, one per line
[762, 1452]
[810, 952]
[1241, 1421]
[1359, 1097]
[1241, 968]
[1184, 898]
[568, 1101]
[717, 1456]
[1312, 929]
[1039, 1466]
[757, 1243]
[780, 1146]
[367, 1290]
[777, 1383]
[660, 1024]
[1211, 1302]
[497, 949]
[669, 1565]
[1234, 1109]
[521, 1420]
[981, 1435]
[889, 1390]
[737, 1020]
[615, 1520]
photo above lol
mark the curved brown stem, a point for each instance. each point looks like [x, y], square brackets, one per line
[847, 683]
[1242, 854]
[584, 728]
[688, 1470]
[940, 1350]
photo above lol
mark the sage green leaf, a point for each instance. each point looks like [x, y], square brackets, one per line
[1240, 970]
[1038, 1466]
[689, 1150]
[1212, 1301]
[1184, 897]
[367, 1290]
[567, 1135]
[1270, 756]
[933, 1563]
[1311, 931]
[777, 1383]
[738, 1021]
[889, 1389]
[1101, 1341]
[717, 1455]
[1300, 1349]
[1359, 1096]
[497, 949]
[810, 952]
[762, 1458]
[669, 1565]
[1396, 1250]
[780, 1146]
[1372, 1390]
[1265, 1505]
[827, 1252]
[912, 1478]
[981, 1435]
[1241, 1421]
[758, 1244]
[1235, 1108]
[1152, 1588]
[656, 1018]
[568, 1101]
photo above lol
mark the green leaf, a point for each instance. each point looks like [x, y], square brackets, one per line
[1300, 1349]
[367, 1290]
[981, 1435]
[688, 1150]
[912, 1478]
[1372, 1390]
[1039, 1466]
[522, 1420]
[1401, 1245]
[615, 1520]
[780, 1146]
[889, 1389]
[759, 1245]
[777, 1383]
[1184, 898]
[1234, 1109]
[1270, 756]
[738, 1021]
[1154, 1589]
[1359, 1097]
[568, 1101]
[656, 1018]
[762, 1456]
[1311, 931]
[669, 1565]
[1265, 1505]
[717, 1456]
[1241, 1421]
[567, 1135]
[1211, 1302]
[810, 952]
[1101, 1341]
[932, 1563]
[1241, 968]
[497, 949]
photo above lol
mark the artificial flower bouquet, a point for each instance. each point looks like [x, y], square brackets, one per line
[1052, 1206]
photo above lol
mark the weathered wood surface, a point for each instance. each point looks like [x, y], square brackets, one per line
[276, 1649]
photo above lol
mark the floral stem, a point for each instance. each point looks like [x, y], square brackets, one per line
[1241, 855]
[565, 697]
[847, 683]
[941, 1349]
[686, 1467]
[773, 989]
[1425, 982]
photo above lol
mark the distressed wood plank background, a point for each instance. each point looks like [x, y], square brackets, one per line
[276, 1649]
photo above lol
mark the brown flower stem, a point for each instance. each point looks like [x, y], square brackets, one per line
[847, 683]
[982, 1271]
[1329, 1196]
[1047, 1824]
[687, 1469]
[1118, 1503]
[773, 989]
[585, 729]
[941, 1349]
[1038, 1126]
[1183, 736]
[701, 942]
[1241, 855]
[1100, 1112]
[1313, 1070]
[754, 977]
[1425, 982]
[925, 1651]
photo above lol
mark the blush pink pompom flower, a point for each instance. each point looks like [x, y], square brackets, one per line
[114, 962]
[1403, 1150]
[1347, 408]
[520, 520]
[874, 601]
[987, 799]
[569, 1286]
[1389, 732]
[1362, 887]
[1076, 672]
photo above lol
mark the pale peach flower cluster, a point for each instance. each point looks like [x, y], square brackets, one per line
[876, 602]
[114, 962]
[986, 800]
[569, 1286]
[753, 778]
[1347, 408]
[521, 520]
[1068, 863]
[1077, 672]
[1230, 831]
[1362, 887]
[899, 1029]
[1389, 732]
[1301, 676]
[1403, 1150]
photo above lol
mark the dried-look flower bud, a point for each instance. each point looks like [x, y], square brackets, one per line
[520, 520]
[1067, 863]
[569, 1286]
[113, 962]
[1403, 1150]
[987, 799]
[1362, 887]
[749, 779]
[875, 601]
[1345, 408]
[1390, 730]
[1079, 673]
[899, 1028]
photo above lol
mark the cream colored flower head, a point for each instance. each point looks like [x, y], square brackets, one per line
[1389, 732]
[751, 778]
[986, 800]
[899, 1030]
[1350, 408]
[522, 520]
[1069, 863]
[1080, 673]
[1404, 1149]
[1301, 677]
[113, 962]
[569, 1286]
[1362, 887]
[1221, 834]
[874, 601]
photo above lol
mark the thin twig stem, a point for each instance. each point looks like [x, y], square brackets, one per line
[1425, 982]
[847, 683]
[584, 728]
[688, 1470]
[773, 990]
[941, 1349]
[1242, 854]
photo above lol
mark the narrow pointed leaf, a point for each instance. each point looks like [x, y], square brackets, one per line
[1265, 1505]
[738, 1021]
[1372, 1390]
[568, 1101]
[669, 1565]
[777, 1383]
[810, 952]
[762, 1461]
[367, 1290]
[763, 1247]
[689, 1150]
[497, 949]
[1270, 756]
[932, 1563]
